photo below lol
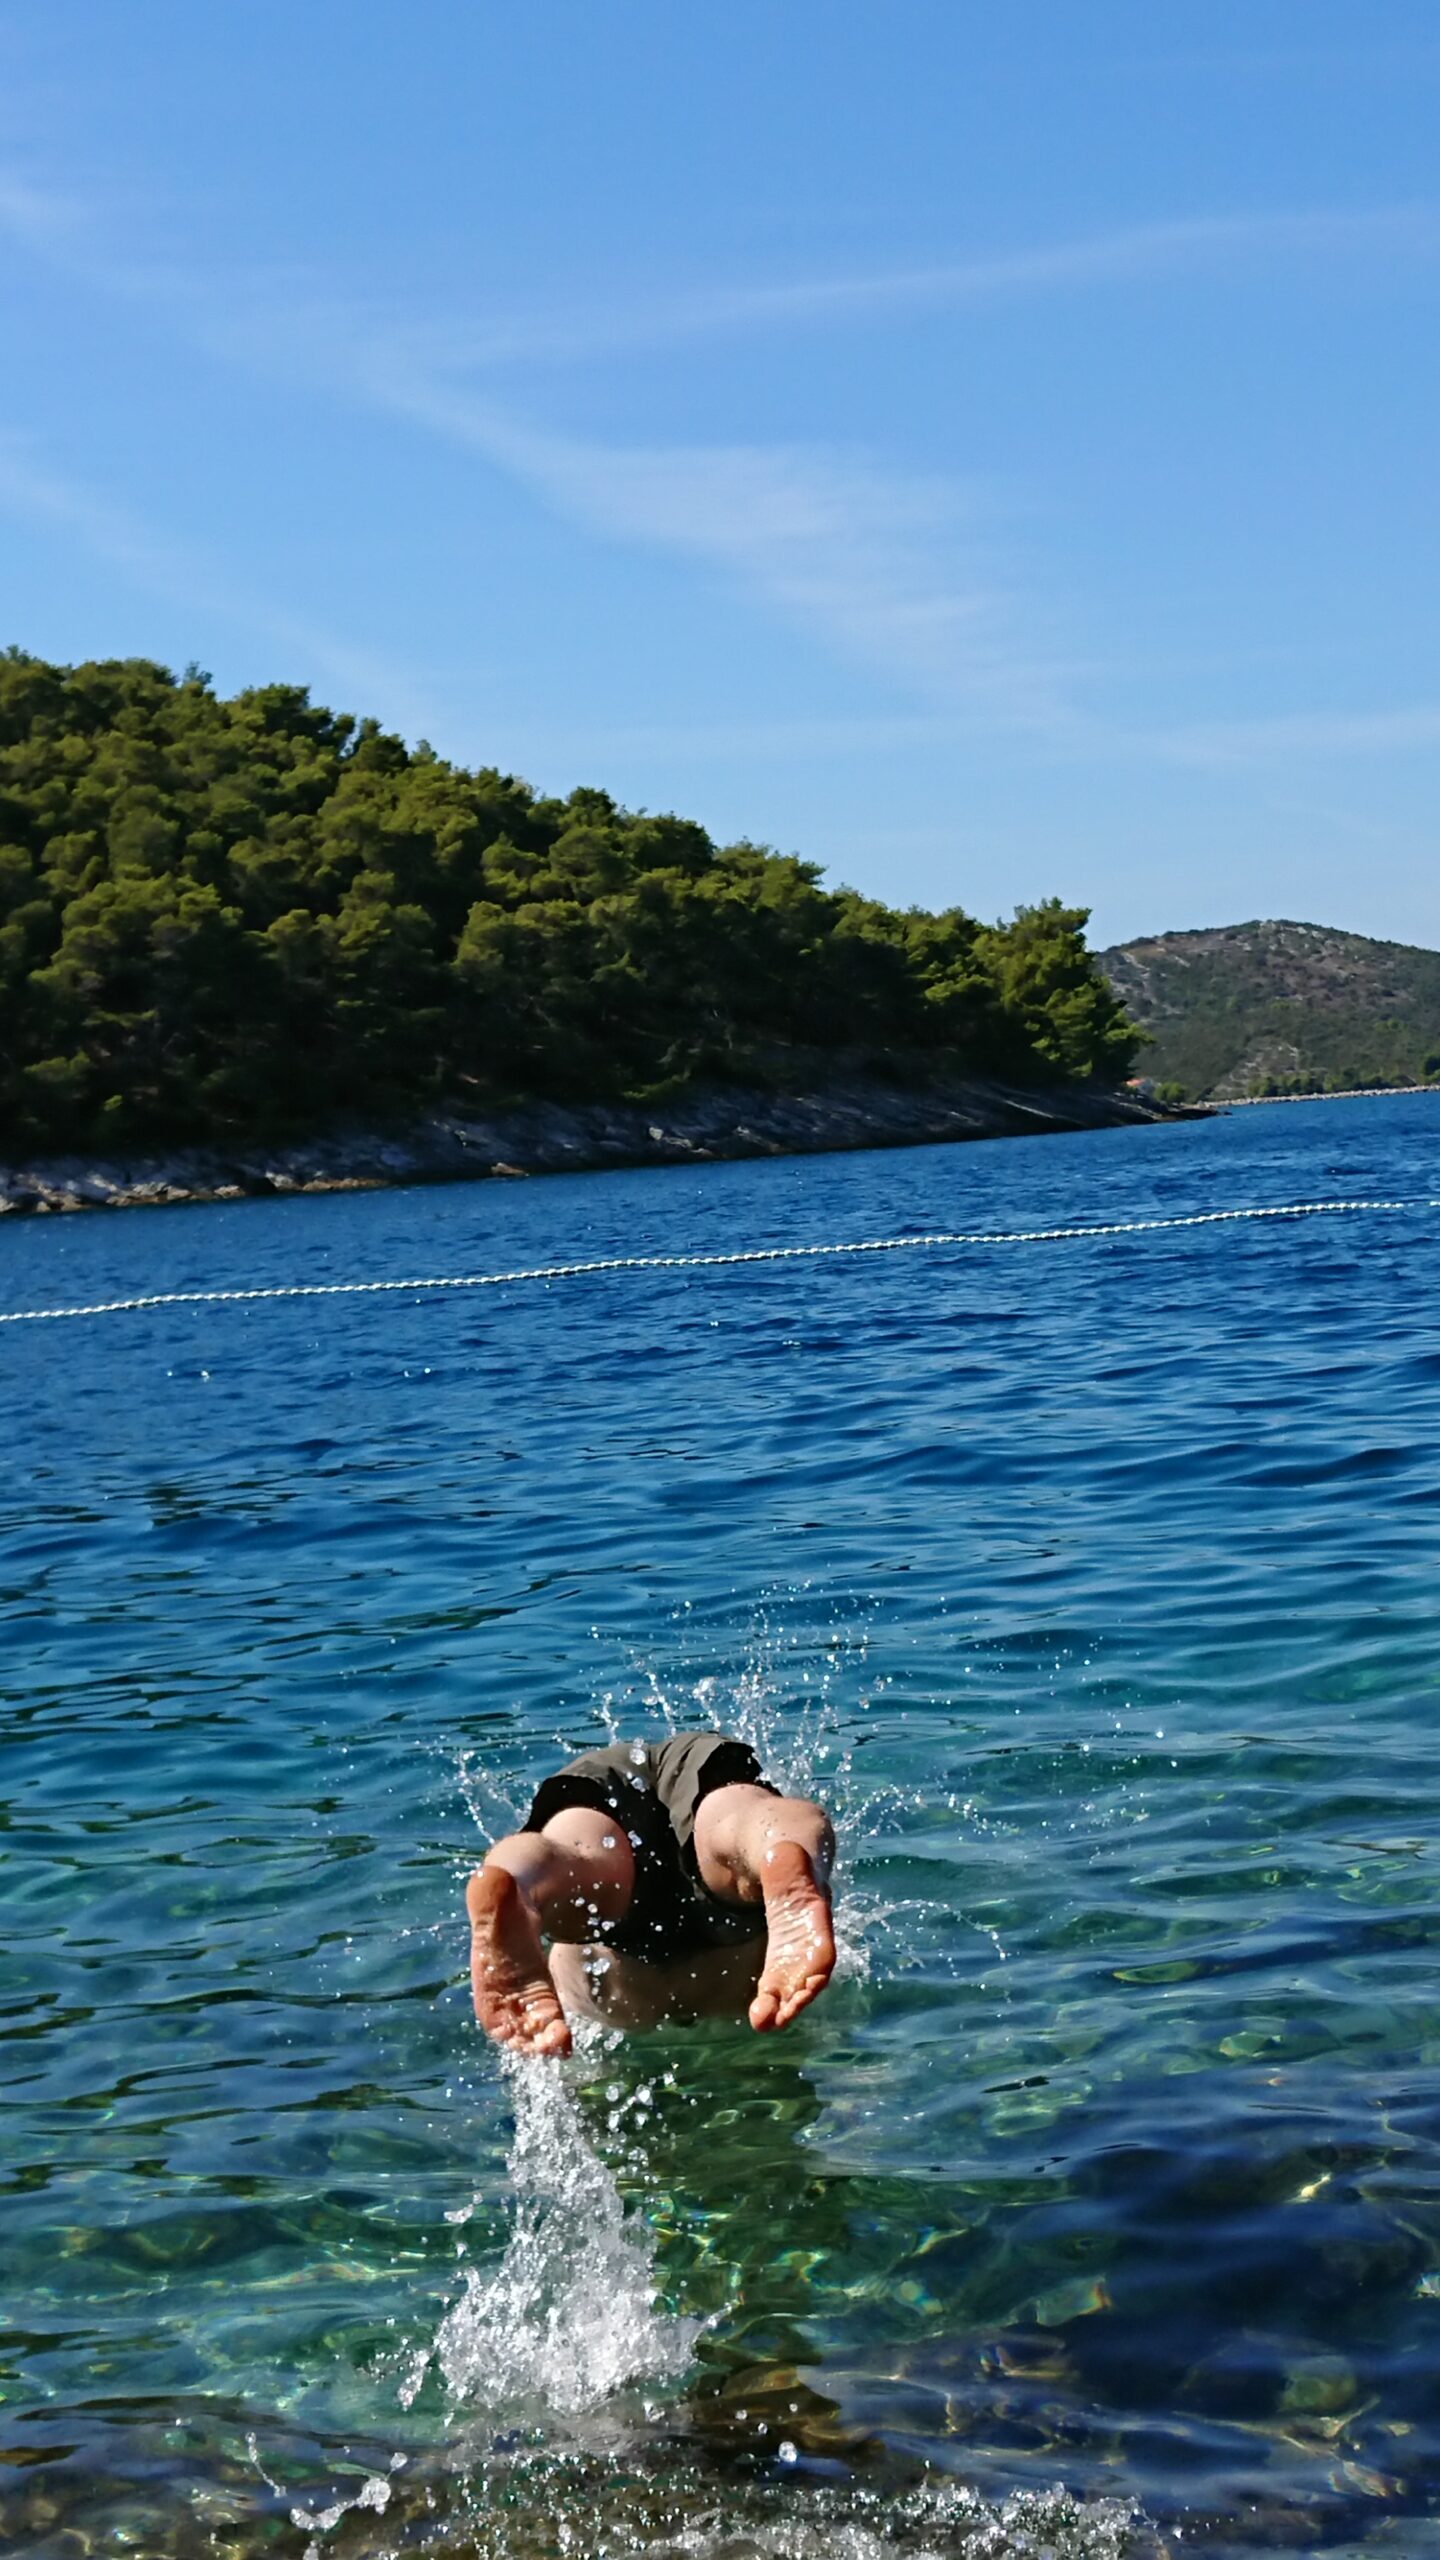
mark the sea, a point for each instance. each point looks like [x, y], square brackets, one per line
[1078, 1547]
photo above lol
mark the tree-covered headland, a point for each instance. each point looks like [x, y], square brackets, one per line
[221, 918]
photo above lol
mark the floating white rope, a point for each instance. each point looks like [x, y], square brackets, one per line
[702, 1261]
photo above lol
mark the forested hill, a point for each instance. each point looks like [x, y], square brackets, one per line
[223, 918]
[1281, 1008]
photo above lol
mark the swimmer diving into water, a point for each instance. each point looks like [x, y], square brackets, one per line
[670, 1880]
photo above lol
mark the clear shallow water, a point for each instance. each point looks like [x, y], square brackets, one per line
[1095, 1584]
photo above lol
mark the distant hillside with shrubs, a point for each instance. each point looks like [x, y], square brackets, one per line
[228, 918]
[1280, 1008]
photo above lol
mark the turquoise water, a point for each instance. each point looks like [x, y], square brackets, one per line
[1094, 1584]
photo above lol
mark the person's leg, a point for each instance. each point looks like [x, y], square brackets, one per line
[567, 1882]
[751, 1846]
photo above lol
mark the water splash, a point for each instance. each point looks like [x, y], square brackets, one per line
[801, 1699]
[530, 2502]
[570, 2317]
[494, 1808]
[372, 2497]
[945, 2522]
[529, 2505]
[571, 2314]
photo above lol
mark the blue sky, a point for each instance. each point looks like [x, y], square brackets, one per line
[988, 449]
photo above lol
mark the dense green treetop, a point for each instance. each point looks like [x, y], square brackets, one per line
[222, 917]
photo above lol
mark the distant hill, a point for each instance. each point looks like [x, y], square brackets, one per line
[1280, 1008]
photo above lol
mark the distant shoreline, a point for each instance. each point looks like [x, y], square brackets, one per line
[1352, 1093]
[703, 1127]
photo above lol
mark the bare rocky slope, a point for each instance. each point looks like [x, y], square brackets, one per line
[1280, 1007]
[540, 1137]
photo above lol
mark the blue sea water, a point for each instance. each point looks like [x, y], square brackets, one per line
[1095, 1585]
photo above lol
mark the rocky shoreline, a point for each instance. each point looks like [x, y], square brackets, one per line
[457, 1145]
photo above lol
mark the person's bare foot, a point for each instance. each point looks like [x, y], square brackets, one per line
[515, 1999]
[800, 1938]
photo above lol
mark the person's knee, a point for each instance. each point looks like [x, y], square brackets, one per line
[735, 1826]
[799, 1818]
[578, 1873]
[601, 1863]
[584, 1831]
[515, 1855]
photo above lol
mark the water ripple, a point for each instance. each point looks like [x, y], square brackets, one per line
[1095, 1588]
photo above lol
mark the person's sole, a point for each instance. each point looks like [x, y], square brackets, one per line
[801, 1939]
[515, 2000]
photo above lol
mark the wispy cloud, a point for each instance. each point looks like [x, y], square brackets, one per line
[1133, 254]
[251, 314]
[898, 573]
[42, 220]
[919, 580]
[32, 491]
[1296, 734]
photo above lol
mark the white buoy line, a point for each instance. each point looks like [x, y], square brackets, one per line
[706, 1261]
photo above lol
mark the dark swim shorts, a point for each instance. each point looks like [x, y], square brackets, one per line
[653, 1790]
